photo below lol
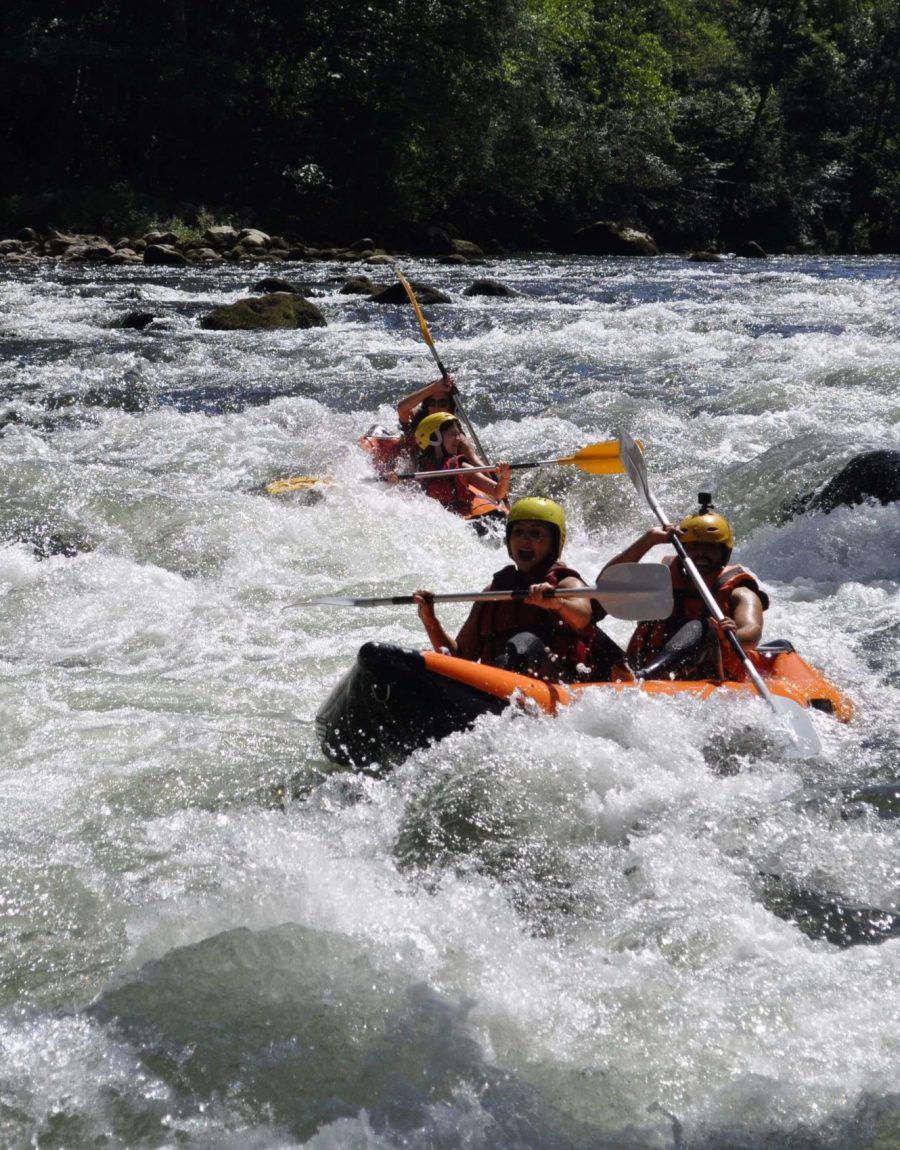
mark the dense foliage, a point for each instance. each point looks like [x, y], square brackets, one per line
[705, 121]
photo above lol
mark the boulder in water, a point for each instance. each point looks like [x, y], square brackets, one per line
[607, 238]
[396, 293]
[137, 320]
[164, 255]
[275, 284]
[359, 285]
[490, 287]
[871, 475]
[265, 313]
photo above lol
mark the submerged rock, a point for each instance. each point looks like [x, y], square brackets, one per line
[132, 395]
[47, 541]
[490, 287]
[137, 320]
[827, 917]
[396, 293]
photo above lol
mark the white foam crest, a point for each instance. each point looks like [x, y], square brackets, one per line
[861, 544]
[51, 1066]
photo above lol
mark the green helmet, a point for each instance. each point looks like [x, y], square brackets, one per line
[543, 510]
[430, 430]
[707, 526]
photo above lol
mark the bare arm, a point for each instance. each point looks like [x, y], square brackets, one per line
[639, 548]
[498, 488]
[407, 406]
[746, 616]
[576, 613]
[465, 645]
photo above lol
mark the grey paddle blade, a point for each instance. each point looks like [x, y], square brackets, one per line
[798, 722]
[359, 601]
[636, 591]
[633, 458]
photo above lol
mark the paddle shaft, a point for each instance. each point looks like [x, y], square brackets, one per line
[426, 335]
[470, 470]
[472, 596]
[628, 591]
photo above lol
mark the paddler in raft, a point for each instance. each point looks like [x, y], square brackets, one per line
[443, 446]
[690, 644]
[439, 395]
[552, 639]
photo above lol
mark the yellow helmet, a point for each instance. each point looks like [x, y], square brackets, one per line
[545, 511]
[430, 430]
[707, 526]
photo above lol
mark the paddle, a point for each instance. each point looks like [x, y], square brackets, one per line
[801, 725]
[464, 419]
[596, 459]
[297, 483]
[627, 591]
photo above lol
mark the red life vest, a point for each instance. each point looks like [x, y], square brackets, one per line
[651, 636]
[453, 492]
[498, 622]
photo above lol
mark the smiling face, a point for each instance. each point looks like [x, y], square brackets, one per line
[452, 438]
[531, 544]
[707, 557]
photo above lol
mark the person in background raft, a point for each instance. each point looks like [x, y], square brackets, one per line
[439, 395]
[442, 443]
[554, 639]
[689, 645]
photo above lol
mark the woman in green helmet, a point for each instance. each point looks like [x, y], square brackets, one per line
[555, 639]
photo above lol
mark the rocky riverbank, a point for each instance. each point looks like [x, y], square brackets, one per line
[227, 244]
[222, 244]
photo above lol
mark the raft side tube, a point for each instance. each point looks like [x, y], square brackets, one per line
[786, 673]
[497, 682]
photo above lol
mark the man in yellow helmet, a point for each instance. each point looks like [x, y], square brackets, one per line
[556, 639]
[688, 644]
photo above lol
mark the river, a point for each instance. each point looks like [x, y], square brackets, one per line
[628, 926]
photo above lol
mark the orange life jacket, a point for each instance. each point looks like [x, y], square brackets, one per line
[651, 636]
[498, 622]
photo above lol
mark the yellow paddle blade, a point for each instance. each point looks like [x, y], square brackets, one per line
[412, 299]
[599, 458]
[297, 483]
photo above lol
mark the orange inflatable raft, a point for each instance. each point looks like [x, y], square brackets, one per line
[394, 700]
[384, 449]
